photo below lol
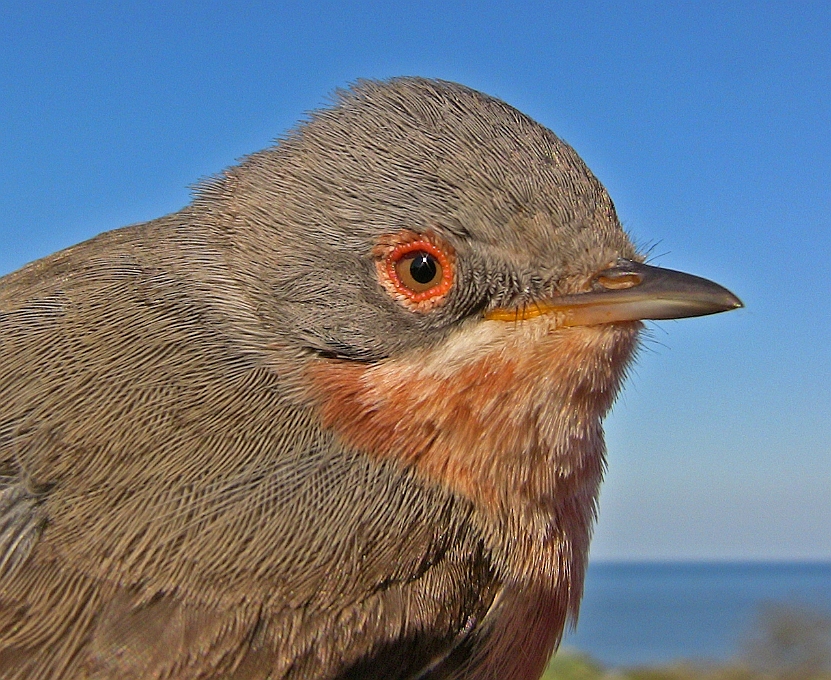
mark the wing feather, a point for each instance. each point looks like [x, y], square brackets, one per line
[171, 507]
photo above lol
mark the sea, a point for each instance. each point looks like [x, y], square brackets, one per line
[641, 614]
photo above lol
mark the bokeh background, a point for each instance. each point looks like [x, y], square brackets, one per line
[709, 123]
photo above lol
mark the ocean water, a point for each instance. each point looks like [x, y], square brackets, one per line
[650, 613]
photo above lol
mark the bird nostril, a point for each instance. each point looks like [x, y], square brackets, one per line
[619, 281]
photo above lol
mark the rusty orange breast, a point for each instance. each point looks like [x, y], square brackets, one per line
[493, 419]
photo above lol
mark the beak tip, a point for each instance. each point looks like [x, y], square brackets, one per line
[733, 303]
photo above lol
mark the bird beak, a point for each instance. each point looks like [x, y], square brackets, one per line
[631, 291]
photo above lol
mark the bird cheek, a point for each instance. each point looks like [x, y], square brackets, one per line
[393, 412]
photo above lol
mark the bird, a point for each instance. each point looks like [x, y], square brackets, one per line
[340, 417]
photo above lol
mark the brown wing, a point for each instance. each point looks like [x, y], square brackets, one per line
[169, 505]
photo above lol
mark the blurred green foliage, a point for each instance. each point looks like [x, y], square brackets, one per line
[787, 642]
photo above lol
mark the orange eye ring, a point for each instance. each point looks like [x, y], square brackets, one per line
[415, 269]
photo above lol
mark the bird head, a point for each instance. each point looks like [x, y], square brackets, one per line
[450, 286]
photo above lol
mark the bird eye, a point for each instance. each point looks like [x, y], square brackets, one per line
[416, 269]
[419, 271]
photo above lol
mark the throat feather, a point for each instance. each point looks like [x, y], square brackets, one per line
[514, 426]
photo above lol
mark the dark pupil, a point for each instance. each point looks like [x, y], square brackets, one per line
[423, 268]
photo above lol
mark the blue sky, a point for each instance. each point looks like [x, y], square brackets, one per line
[709, 123]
